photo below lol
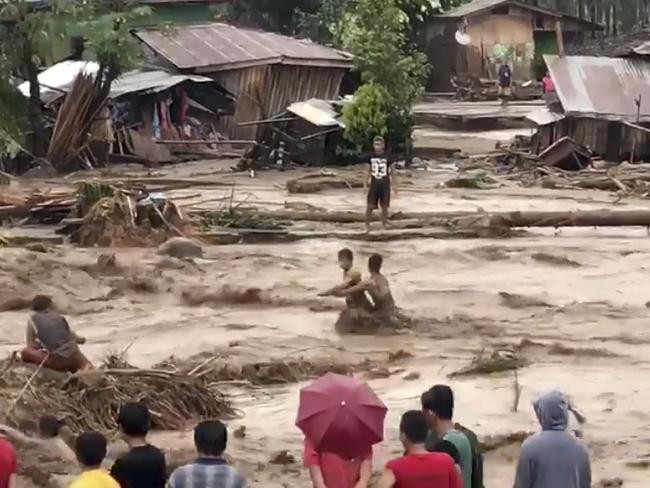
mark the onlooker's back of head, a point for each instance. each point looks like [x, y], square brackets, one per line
[413, 427]
[48, 426]
[552, 410]
[210, 438]
[439, 400]
[90, 449]
[134, 419]
[41, 303]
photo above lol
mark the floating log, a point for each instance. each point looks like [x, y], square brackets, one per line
[589, 218]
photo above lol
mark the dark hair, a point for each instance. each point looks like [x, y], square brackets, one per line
[40, 303]
[48, 426]
[211, 437]
[414, 426]
[448, 448]
[346, 253]
[440, 401]
[134, 419]
[374, 263]
[90, 448]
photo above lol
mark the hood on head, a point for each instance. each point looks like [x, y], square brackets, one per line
[552, 410]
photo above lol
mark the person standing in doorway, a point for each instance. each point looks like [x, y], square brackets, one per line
[381, 179]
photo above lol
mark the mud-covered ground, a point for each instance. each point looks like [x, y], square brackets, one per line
[584, 289]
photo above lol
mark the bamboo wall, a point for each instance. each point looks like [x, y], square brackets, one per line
[266, 91]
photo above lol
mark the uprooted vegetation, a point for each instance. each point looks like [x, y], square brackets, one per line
[110, 216]
[496, 362]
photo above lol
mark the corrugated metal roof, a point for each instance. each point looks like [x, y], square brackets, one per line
[603, 87]
[642, 49]
[219, 47]
[151, 82]
[478, 6]
[318, 112]
[57, 80]
[544, 116]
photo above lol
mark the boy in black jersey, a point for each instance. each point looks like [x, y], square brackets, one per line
[380, 179]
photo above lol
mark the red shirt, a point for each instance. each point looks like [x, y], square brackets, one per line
[427, 470]
[338, 472]
[7, 462]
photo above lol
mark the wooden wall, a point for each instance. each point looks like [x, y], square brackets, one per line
[611, 140]
[266, 91]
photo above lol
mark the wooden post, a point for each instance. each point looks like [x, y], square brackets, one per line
[560, 38]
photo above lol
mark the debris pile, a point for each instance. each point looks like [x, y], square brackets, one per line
[90, 400]
[219, 370]
[115, 216]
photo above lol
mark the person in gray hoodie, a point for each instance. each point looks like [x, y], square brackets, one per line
[553, 458]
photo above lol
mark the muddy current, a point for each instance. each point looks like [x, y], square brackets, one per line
[572, 302]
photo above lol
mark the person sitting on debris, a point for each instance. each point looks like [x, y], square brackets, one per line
[210, 470]
[50, 341]
[419, 468]
[144, 465]
[553, 457]
[90, 449]
[52, 438]
[351, 277]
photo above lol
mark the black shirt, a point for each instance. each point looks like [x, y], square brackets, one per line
[379, 166]
[141, 467]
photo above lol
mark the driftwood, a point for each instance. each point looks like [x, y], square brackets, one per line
[590, 218]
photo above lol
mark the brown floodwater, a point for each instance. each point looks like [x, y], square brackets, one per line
[595, 302]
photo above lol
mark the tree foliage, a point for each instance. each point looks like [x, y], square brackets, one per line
[367, 117]
[27, 29]
[377, 37]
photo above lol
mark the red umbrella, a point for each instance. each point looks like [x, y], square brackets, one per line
[340, 414]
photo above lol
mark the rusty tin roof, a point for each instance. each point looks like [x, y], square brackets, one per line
[601, 87]
[219, 47]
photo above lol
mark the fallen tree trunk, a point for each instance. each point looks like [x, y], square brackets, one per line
[590, 218]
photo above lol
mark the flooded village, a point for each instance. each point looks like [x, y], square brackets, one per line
[184, 210]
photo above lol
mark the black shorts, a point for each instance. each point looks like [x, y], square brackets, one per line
[379, 194]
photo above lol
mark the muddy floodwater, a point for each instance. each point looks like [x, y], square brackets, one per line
[580, 318]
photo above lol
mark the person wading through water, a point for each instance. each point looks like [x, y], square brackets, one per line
[384, 312]
[381, 179]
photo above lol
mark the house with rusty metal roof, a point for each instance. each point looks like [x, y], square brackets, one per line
[605, 105]
[266, 71]
[475, 38]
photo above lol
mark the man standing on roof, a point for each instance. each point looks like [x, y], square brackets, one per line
[381, 178]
